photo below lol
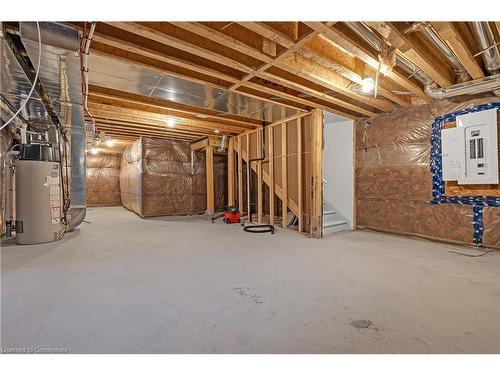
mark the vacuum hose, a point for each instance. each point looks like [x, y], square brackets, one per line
[264, 228]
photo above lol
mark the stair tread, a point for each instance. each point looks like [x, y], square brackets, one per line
[333, 223]
[329, 212]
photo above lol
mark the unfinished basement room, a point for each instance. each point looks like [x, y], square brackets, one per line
[250, 187]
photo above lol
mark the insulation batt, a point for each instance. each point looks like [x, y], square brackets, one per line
[103, 180]
[393, 178]
[163, 177]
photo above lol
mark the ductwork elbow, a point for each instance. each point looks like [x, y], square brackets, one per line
[433, 91]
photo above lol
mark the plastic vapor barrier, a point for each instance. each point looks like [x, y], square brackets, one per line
[164, 177]
[394, 180]
[103, 180]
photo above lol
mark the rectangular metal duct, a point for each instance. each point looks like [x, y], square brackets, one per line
[60, 75]
[120, 75]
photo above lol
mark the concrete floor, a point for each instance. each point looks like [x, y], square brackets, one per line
[184, 285]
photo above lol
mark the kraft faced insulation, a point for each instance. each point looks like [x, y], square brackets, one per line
[103, 180]
[163, 177]
[394, 180]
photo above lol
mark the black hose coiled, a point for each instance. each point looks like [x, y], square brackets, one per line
[264, 228]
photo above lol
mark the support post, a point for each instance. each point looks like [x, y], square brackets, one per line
[240, 177]
[230, 172]
[210, 180]
[259, 176]
[249, 173]
[284, 176]
[317, 174]
[271, 174]
[299, 175]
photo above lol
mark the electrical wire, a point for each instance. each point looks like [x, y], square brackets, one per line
[34, 82]
[474, 256]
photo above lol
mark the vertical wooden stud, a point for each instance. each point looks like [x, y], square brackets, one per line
[230, 172]
[284, 176]
[355, 165]
[249, 173]
[259, 176]
[210, 180]
[240, 177]
[317, 174]
[299, 175]
[271, 174]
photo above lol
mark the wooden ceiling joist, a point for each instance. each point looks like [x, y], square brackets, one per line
[297, 65]
[207, 113]
[231, 43]
[416, 50]
[209, 123]
[353, 45]
[149, 126]
[143, 30]
[131, 132]
[125, 116]
[452, 36]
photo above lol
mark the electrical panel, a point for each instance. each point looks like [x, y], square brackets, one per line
[470, 151]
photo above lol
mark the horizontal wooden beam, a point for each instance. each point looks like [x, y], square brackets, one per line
[416, 50]
[203, 143]
[369, 57]
[161, 119]
[320, 50]
[148, 32]
[144, 126]
[200, 112]
[451, 35]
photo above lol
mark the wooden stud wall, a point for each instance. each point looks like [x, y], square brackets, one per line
[291, 172]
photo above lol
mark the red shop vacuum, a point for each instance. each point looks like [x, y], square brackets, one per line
[231, 215]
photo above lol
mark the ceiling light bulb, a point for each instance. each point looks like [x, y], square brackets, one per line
[216, 131]
[94, 151]
[170, 122]
[367, 84]
[109, 141]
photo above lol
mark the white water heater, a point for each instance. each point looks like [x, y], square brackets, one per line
[38, 195]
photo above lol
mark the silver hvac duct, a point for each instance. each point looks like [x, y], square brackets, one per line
[431, 89]
[60, 74]
[376, 42]
[478, 86]
[435, 38]
[486, 40]
[489, 50]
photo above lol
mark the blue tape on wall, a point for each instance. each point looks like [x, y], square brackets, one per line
[477, 222]
[438, 186]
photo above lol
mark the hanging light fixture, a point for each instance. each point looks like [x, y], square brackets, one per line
[170, 122]
[367, 84]
[109, 141]
[94, 151]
